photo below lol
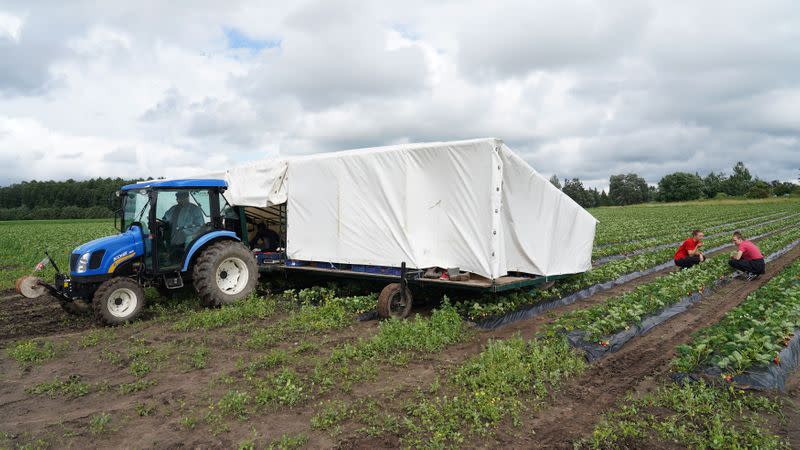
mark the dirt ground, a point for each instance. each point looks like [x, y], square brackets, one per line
[22, 317]
[184, 394]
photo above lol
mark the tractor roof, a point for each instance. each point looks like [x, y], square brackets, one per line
[172, 184]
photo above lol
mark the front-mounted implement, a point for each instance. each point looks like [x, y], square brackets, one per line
[171, 233]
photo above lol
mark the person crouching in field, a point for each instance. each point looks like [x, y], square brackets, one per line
[689, 253]
[747, 258]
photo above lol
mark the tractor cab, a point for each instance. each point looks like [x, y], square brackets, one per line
[171, 232]
[173, 219]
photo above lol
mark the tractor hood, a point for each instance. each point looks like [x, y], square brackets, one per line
[107, 253]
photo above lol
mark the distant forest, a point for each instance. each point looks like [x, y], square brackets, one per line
[90, 199]
[630, 189]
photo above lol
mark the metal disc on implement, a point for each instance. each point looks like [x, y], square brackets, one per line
[30, 287]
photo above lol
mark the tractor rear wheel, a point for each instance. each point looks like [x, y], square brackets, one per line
[392, 304]
[224, 273]
[118, 300]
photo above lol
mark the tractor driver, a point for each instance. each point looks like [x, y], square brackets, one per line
[185, 218]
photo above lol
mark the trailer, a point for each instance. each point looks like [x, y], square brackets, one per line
[471, 209]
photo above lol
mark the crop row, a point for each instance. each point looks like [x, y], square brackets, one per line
[635, 223]
[622, 312]
[495, 305]
[753, 333]
[679, 235]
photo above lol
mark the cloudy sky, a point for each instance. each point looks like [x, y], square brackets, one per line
[579, 88]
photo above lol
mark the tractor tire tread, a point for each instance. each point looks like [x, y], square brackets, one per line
[105, 289]
[204, 273]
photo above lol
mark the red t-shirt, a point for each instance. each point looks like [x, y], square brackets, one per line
[749, 251]
[683, 250]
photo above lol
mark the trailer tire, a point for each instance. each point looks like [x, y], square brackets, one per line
[391, 305]
[76, 307]
[212, 273]
[118, 300]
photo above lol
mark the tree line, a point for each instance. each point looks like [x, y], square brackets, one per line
[630, 189]
[70, 199]
[91, 199]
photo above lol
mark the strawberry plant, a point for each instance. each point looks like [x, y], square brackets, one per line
[626, 310]
[753, 333]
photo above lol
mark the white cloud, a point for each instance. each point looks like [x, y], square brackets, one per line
[10, 26]
[579, 88]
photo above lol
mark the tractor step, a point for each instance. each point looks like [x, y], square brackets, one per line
[173, 282]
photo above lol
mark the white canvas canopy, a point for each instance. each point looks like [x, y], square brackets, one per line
[468, 204]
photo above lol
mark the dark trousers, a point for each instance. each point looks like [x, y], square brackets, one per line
[755, 266]
[689, 261]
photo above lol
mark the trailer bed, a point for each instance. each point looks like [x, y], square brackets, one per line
[476, 283]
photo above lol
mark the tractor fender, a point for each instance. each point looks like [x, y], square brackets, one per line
[202, 241]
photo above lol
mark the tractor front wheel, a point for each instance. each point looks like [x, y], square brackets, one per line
[224, 273]
[118, 300]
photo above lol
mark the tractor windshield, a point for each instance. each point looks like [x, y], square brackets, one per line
[136, 208]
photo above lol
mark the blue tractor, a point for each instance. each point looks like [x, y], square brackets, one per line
[171, 233]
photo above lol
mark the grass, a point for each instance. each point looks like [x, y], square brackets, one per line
[396, 338]
[234, 404]
[145, 409]
[96, 336]
[289, 442]
[285, 388]
[72, 387]
[199, 357]
[136, 386]
[694, 415]
[99, 423]
[31, 352]
[368, 412]
[23, 245]
[490, 387]
[250, 309]
[312, 317]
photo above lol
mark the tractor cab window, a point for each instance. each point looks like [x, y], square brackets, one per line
[182, 216]
[136, 209]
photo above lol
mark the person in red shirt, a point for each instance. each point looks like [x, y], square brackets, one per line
[747, 258]
[689, 253]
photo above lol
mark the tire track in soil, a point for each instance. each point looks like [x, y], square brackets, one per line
[22, 317]
[576, 409]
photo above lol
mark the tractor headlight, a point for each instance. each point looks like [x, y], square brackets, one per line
[82, 263]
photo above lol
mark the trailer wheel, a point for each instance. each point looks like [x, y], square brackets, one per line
[76, 307]
[118, 300]
[546, 285]
[224, 273]
[391, 303]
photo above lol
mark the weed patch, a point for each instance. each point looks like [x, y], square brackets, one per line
[693, 415]
[99, 423]
[28, 353]
[488, 388]
[72, 387]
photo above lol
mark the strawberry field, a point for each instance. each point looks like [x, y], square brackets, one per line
[641, 355]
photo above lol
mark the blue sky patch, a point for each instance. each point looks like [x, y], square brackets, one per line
[237, 39]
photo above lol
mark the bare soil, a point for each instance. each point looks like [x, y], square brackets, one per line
[184, 394]
[22, 317]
